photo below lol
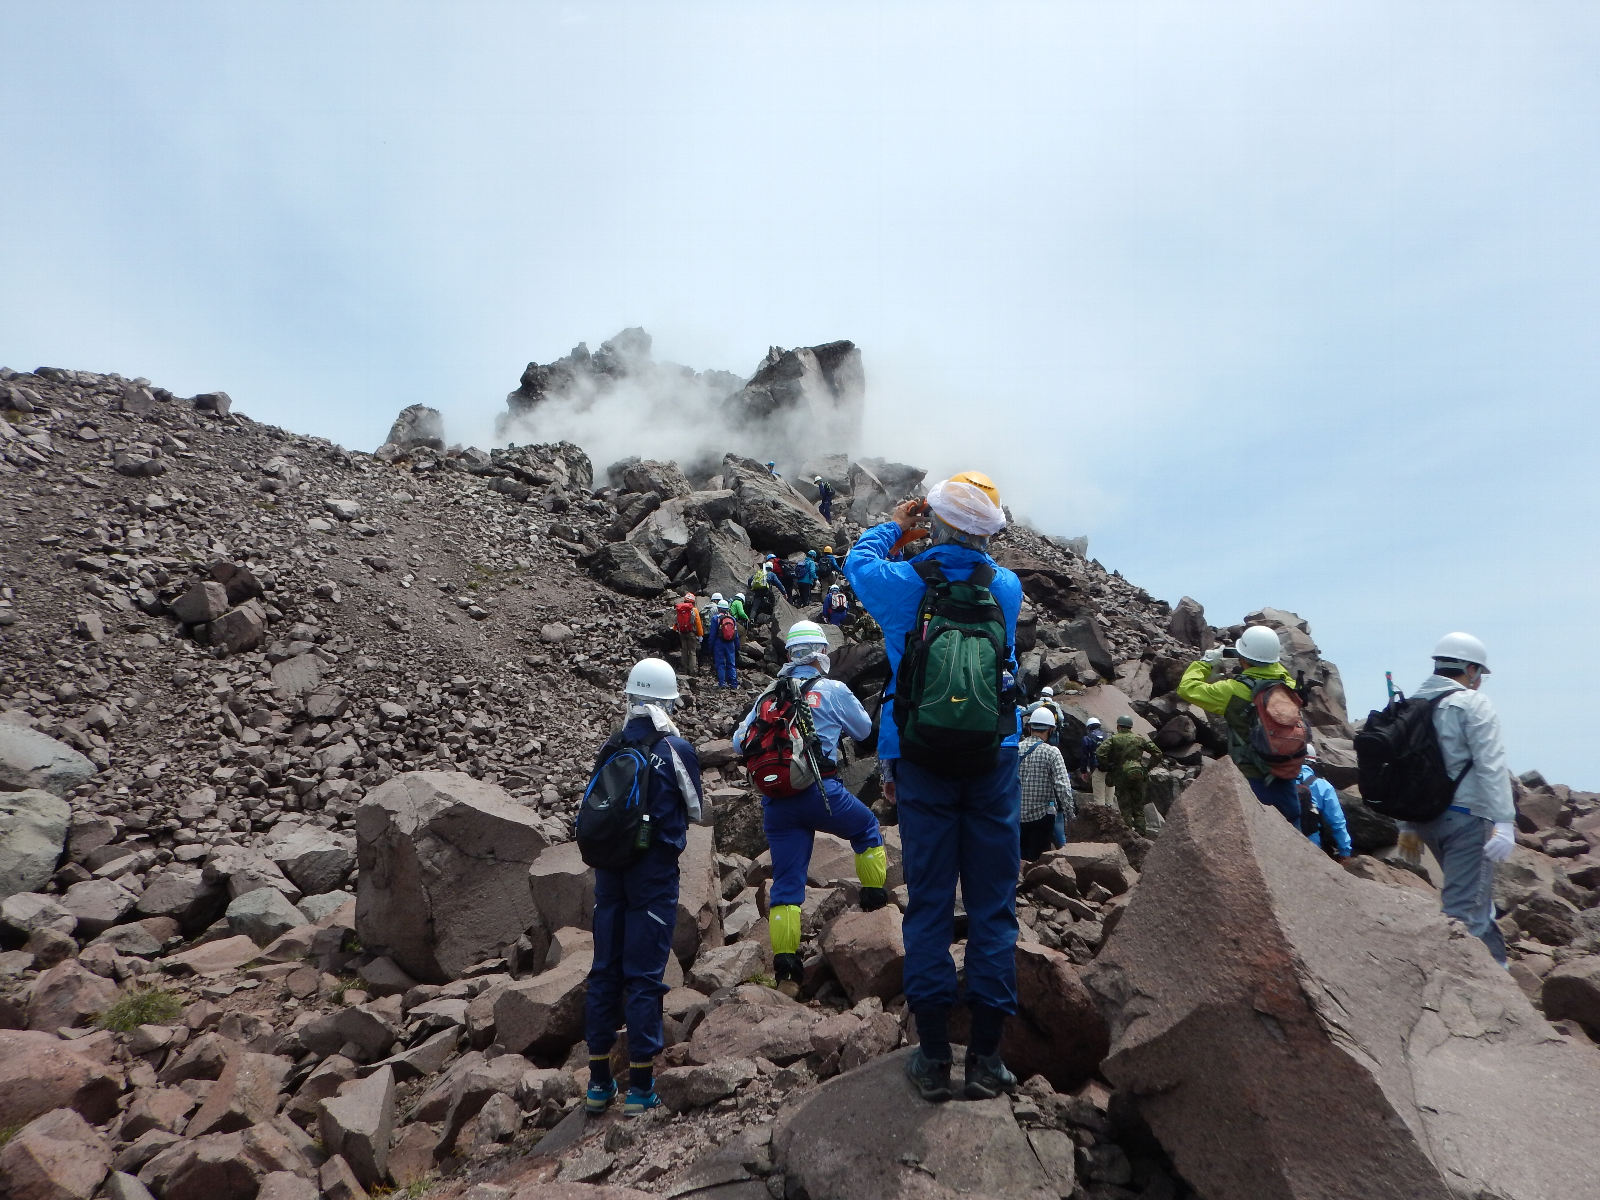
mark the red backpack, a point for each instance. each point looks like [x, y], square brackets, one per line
[685, 621]
[781, 749]
[1277, 728]
[727, 630]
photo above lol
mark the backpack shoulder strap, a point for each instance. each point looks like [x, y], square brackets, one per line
[930, 571]
[982, 575]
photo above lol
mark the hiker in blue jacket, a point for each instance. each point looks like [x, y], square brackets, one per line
[1325, 802]
[791, 822]
[951, 829]
[805, 578]
[636, 909]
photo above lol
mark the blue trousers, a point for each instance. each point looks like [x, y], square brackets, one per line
[826, 508]
[726, 657]
[1456, 839]
[792, 824]
[635, 912]
[1279, 794]
[968, 830]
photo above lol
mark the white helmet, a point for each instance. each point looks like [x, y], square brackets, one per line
[1047, 691]
[1042, 718]
[818, 479]
[1259, 644]
[738, 596]
[1091, 723]
[716, 597]
[652, 679]
[805, 633]
[1311, 752]
[723, 605]
[1461, 648]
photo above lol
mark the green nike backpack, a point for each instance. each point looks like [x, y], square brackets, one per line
[951, 703]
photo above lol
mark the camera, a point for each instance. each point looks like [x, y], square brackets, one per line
[1229, 652]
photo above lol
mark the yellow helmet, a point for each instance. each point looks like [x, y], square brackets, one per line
[827, 549]
[980, 481]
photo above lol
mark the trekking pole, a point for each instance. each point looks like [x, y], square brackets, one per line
[808, 731]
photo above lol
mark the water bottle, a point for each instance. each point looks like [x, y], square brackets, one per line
[641, 840]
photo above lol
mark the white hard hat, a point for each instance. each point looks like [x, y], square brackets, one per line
[723, 604]
[818, 479]
[805, 633]
[653, 678]
[1042, 718]
[1047, 691]
[1091, 722]
[738, 595]
[1311, 751]
[1259, 644]
[716, 597]
[1462, 648]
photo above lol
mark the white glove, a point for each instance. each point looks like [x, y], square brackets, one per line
[1501, 842]
[1212, 656]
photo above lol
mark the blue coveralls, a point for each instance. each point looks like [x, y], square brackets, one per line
[791, 824]
[825, 502]
[725, 654]
[805, 578]
[636, 910]
[950, 829]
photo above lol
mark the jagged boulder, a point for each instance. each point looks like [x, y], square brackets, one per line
[624, 567]
[777, 519]
[721, 561]
[820, 390]
[444, 864]
[417, 425]
[1287, 1028]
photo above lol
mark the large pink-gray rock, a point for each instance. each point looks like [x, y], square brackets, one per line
[563, 887]
[1288, 1028]
[544, 1015]
[756, 1022]
[867, 953]
[358, 1125]
[66, 996]
[866, 1135]
[58, 1156]
[699, 896]
[245, 1094]
[444, 864]
[39, 1072]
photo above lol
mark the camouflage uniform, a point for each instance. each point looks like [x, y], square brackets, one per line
[1121, 758]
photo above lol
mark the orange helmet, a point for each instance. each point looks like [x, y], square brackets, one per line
[980, 481]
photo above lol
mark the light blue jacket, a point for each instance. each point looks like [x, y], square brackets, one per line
[1469, 728]
[892, 593]
[1327, 802]
[835, 711]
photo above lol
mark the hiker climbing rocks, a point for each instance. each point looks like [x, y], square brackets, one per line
[805, 578]
[736, 607]
[1094, 734]
[691, 631]
[1266, 733]
[1046, 701]
[949, 759]
[1321, 814]
[789, 742]
[1122, 757]
[1461, 808]
[824, 499]
[725, 644]
[836, 606]
[827, 567]
[1045, 784]
[634, 852]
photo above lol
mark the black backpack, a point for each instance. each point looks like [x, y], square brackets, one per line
[613, 824]
[1403, 775]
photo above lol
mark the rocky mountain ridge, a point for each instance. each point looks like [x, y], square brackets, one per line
[261, 693]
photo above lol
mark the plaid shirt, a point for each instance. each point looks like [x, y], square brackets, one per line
[1045, 781]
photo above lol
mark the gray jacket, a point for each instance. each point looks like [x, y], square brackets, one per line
[1469, 728]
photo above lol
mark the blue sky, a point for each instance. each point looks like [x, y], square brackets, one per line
[1280, 304]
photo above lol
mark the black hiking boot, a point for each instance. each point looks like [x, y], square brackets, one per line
[789, 972]
[929, 1076]
[987, 1077]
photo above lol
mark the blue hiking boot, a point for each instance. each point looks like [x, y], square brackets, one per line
[638, 1103]
[599, 1098]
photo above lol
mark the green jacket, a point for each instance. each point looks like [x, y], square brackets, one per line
[1122, 753]
[1230, 698]
[736, 607]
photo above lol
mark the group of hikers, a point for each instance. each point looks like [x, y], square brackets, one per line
[977, 778]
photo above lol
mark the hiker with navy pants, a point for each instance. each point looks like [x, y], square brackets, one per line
[634, 853]
[949, 761]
